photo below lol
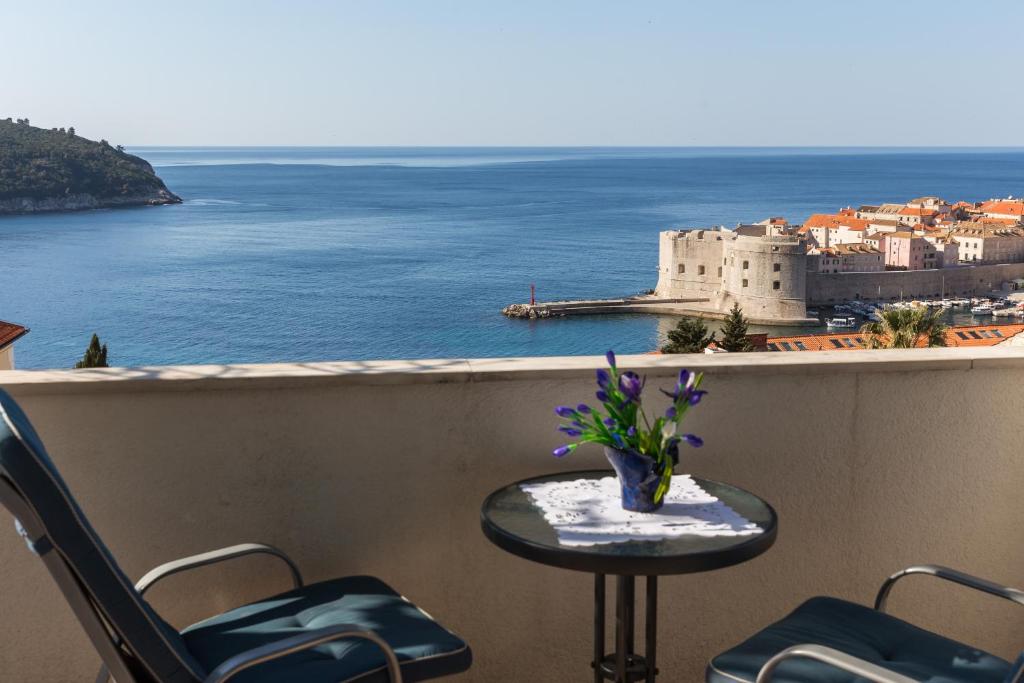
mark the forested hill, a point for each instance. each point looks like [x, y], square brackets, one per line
[55, 170]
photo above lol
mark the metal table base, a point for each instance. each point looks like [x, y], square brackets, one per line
[625, 665]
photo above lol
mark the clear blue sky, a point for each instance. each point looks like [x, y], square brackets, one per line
[522, 72]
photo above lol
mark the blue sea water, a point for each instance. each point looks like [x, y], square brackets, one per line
[297, 254]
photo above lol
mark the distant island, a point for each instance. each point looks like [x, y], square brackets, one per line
[56, 170]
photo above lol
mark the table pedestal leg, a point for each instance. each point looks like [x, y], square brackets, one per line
[625, 666]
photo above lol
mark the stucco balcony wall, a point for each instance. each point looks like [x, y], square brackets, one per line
[874, 460]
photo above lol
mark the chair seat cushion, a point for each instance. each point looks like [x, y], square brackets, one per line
[862, 632]
[424, 648]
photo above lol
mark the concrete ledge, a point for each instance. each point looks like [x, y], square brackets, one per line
[443, 371]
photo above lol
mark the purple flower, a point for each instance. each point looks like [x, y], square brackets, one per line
[602, 397]
[561, 451]
[670, 414]
[695, 396]
[610, 356]
[583, 408]
[603, 378]
[609, 421]
[631, 432]
[571, 431]
[564, 411]
[631, 385]
[693, 440]
[684, 378]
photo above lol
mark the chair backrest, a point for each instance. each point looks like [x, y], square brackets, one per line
[57, 530]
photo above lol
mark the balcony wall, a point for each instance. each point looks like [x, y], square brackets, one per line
[874, 460]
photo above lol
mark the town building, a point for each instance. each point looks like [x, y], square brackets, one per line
[9, 333]
[857, 257]
[988, 243]
[1011, 208]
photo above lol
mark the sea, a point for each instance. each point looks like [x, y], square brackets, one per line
[354, 253]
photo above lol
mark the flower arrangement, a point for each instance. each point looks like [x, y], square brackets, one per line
[624, 426]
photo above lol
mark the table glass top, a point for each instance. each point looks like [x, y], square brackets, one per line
[512, 520]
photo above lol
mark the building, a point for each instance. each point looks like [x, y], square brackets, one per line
[9, 333]
[1003, 208]
[855, 257]
[988, 243]
[829, 229]
[905, 250]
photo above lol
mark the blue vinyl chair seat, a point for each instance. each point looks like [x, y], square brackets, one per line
[424, 648]
[862, 632]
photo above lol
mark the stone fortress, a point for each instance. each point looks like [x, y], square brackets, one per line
[715, 268]
[926, 248]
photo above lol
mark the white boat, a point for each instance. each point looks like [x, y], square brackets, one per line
[841, 321]
[982, 309]
[1004, 312]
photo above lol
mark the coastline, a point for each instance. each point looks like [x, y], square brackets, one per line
[83, 202]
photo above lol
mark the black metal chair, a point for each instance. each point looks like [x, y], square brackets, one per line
[827, 640]
[354, 629]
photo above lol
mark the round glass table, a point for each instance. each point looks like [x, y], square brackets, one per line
[513, 522]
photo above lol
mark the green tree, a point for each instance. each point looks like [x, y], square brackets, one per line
[734, 332]
[905, 328]
[95, 356]
[689, 336]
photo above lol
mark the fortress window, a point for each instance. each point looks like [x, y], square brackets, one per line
[776, 284]
[745, 282]
[700, 270]
[682, 268]
[776, 267]
[719, 271]
[725, 261]
[746, 264]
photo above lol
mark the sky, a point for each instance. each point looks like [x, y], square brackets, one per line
[520, 72]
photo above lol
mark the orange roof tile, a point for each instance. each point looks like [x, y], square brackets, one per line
[1014, 207]
[832, 220]
[970, 335]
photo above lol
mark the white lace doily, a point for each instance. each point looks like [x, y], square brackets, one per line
[589, 512]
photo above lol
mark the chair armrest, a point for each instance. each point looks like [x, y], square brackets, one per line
[835, 658]
[304, 641]
[201, 560]
[212, 557]
[952, 575]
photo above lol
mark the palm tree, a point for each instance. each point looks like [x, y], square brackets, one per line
[905, 328]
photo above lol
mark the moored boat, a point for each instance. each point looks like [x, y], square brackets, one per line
[841, 321]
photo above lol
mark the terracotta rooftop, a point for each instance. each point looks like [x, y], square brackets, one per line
[835, 220]
[9, 333]
[1014, 207]
[910, 211]
[973, 335]
[855, 248]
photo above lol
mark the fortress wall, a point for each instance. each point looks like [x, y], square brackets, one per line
[754, 287]
[692, 250]
[827, 288]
